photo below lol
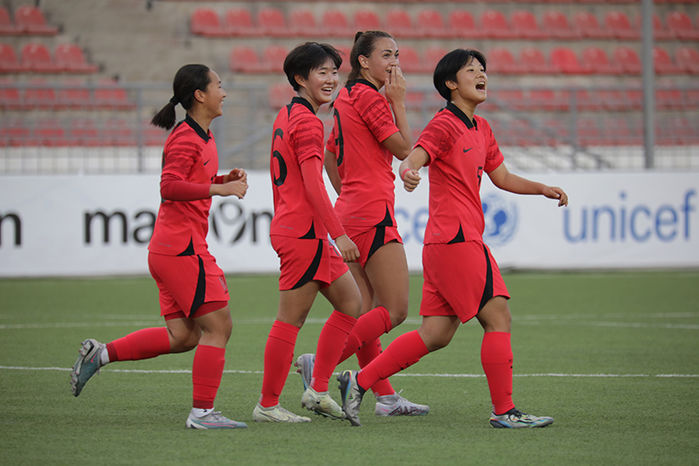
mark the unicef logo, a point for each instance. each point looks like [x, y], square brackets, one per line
[500, 219]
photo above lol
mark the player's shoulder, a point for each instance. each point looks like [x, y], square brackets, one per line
[184, 134]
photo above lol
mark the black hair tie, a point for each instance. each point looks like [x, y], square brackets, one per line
[173, 100]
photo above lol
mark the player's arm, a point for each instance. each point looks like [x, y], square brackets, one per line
[400, 143]
[409, 169]
[331, 169]
[503, 179]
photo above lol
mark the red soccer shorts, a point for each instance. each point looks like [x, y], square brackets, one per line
[186, 283]
[303, 260]
[369, 241]
[459, 279]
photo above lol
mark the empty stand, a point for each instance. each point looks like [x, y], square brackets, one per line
[70, 58]
[36, 57]
[628, 59]
[335, 24]
[302, 22]
[620, 26]
[7, 27]
[532, 60]
[525, 25]
[9, 62]
[273, 58]
[409, 60]
[462, 25]
[367, 20]
[556, 24]
[400, 24]
[663, 62]
[495, 25]
[687, 59]
[74, 94]
[431, 24]
[271, 23]
[680, 25]
[238, 22]
[206, 22]
[10, 98]
[110, 94]
[244, 59]
[30, 20]
[432, 56]
[586, 25]
[596, 60]
[280, 95]
[501, 60]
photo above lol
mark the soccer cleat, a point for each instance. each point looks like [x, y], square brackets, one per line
[515, 419]
[396, 405]
[213, 420]
[87, 364]
[321, 403]
[305, 364]
[351, 394]
[276, 414]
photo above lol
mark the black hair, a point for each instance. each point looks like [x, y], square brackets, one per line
[188, 79]
[306, 57]
[450, 64]
[363, 45]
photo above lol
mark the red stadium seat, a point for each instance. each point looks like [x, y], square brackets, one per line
[660, 31]
[49, 132]
[83, 132]
[367, 20]
[302, 23]
[557, 25]
[7, 27]
[15, 133]
[510, 99]
[628, 59]
[501, 60]
[399, 23]
[345, 54]
[432, 55]
[244, 59]
[532, 60]
[620, 26]
[687, 58]
[494, 25]
[587, 26]
[206, 22]
[431, 24]
[31, 21]
[117, 132]
[70, 57]
[74, 93]
[280, 95]
[273, 57]
[663, 62]
[525, 26]
[462, 25]
[238, 22]
[10, 98]
[409, 60]
[680, 25]
[9, 63]
[335, 24]
[548, 99]
[109, 94]
[36, 57]
[669, 99]
[596, 60]
[271, 22]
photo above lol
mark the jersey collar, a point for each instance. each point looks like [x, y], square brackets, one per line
[197, 129]
[302, 101]
[361, 81]
[461, 116]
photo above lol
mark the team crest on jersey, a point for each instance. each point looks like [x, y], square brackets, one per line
[500, 219]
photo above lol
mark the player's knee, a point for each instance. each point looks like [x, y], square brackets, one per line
[184, 341]
[398, 312]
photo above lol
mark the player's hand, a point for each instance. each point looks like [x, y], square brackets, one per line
[349, 250]
[236, 188]
[235, 175]
[411, 178]
[554, 192]
[395, 85]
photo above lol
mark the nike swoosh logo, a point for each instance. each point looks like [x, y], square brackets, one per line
[466, 150]
[206, 162]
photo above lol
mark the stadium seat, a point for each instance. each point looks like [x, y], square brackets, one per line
[432, 55]
[74, 93]
[302, 23]
[244, 59]
[83, 132]
[9, 63]
[206, 22]
[532, 60]
[70, 58]
[660, 31]
[400, 24]
[116, 132]
[272, 23]
[10, 98]
[15, 133]
[525, 26]
[50, 133]
[462, 25]
[619, 25]
[409, 60]
[548, 99]
[39, 94]
[596, 60]
[510, 99]
[628, 59]
[152, 135]
[31, 20]
[345, 54]
[280, 95]
[587, 26]
[238, 22]
[687, 58]
[431, 24]
[663, 62]
[501, 60]
[494, 25]
[556, 24]
[273, 57]
[36, 57]
[7, 27]
[335, 24]
[680, 26]
[669, 99]
[109, 94]
[588, 132]
[367, 20]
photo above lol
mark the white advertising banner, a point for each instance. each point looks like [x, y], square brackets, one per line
[101, 225]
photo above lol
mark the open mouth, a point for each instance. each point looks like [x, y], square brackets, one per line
[480, 86]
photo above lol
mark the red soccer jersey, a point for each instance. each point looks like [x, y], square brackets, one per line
[363, 120]
[298, 137]
[460, 150]
[181, 227]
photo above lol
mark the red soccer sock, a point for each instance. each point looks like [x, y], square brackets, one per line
[369, 326]
[496, 358]
[207, 370]
[403, 352]
[279, 352]
[330, 344]
[365, 355]
[141, 344]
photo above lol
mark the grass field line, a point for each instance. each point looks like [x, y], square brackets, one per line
[400, 374]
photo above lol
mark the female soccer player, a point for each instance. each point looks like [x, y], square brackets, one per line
[461, 277]
[303, 217]
[193, 292]
[358, 161]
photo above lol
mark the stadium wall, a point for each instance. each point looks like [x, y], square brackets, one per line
[100, 224]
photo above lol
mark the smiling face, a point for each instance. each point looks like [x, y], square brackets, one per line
[318, 88]
[383, 57]
[212, 98]
[471, 86]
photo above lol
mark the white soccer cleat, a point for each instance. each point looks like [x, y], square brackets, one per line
[276, 414]
[396, 405]
[321, 403]
[213, 420]
[304, 364]
[516, 419]
[87, 364]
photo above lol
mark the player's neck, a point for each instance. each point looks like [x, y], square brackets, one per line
[468, 107]
[201, 117]
[367, 77]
